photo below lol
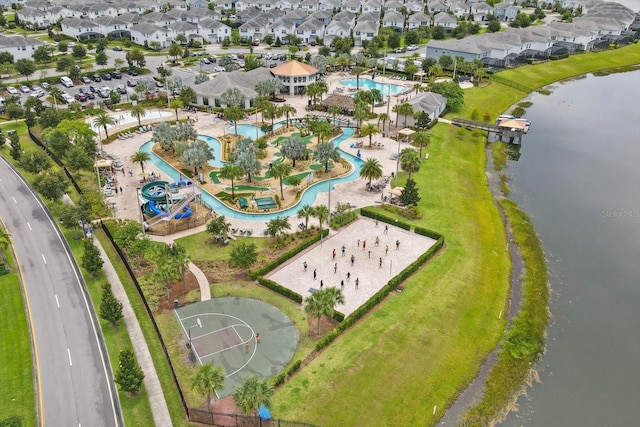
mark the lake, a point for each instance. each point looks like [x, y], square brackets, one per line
[578, 179]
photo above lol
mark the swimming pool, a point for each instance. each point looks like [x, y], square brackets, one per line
[384, 88]
[251, 131]
[127, 119]
[308, 197]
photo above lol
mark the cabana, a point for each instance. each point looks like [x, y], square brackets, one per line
[346, 103]
[406, 133]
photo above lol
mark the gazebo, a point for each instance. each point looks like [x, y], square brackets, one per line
[295, 76]
[346, 103]
[406, 133]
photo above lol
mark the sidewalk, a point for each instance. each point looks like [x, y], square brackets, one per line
[158, 405]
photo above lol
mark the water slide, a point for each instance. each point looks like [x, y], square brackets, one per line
[155, 191]
[152, 209]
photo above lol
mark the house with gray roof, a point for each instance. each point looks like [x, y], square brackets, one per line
[296, 15]
[214, 31]
[131, 18]
[373, 6]
[33, 19]
[336, 29]
[329, 5]
[504, 11]
[282, 28]
[431, 103]
[309, 5]
[353, 6]
[415, 6]
[437, 6]
[394, 20]
[460, 9]
[310, 30]
[393, 6]
[345, 16]
[41, 5]
[209, 93]
[146, 33]
[364, 30]
[110, 26]
[445, 20]
[417, 20]
[480, 10]
[255, 29]
[19, 46]
[321, 16]
[188, 29]
[81, 29]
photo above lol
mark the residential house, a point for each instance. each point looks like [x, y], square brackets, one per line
[329, 5]
[415, 6]
[80, 29]
[309, 6]
[33, 19]
[480, 10]
[298, 16]
[345, 16]
[281, 28]
[146, 33]
[374, 6]
[267, 5]
[225, 5]
[255, 29]
[41, 5]
[190, 30]
[19, 47]
[460, 9]
[287, 4]
[197, 4]
[321, 16]
[445, 20]
[505, 12]
[113, 27]
[131, 18]
[353, 6]
[418, 20]
[160, 18]
[364, 30]
[437, 6]
[336, 29]
[431, 103]
[310, 30]
[214, 31]
[393, 20]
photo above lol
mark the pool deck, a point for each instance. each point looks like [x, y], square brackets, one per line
[125, 204]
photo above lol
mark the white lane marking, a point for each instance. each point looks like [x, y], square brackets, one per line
[69, 353]
[44, 259]
[29, 225]
[14, 200]
[57, 302]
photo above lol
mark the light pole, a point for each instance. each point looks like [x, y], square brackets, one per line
[198, 324]
[397, 160]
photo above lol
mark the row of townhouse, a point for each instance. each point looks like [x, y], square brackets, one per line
[603, 23]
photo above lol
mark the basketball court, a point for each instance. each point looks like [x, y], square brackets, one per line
[223, 332]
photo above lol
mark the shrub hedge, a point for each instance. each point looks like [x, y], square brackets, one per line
[280, 378]
[343, 219]
[287, 255]
[380, 217]
[286, 292]
[426, 232]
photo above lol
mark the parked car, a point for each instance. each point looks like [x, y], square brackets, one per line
[67, 98]
[86, 80]
[12, 90]
[116, 74]
[90, 95]
[80, 97]
[93, 89]
[412, 47]
[38, 93]
[240, 56]
[273, 65]
[399, 50]
[117, 48]
[205, 61]
[32, 87]
[96, 78]
[159, 84]
[133, 72]
[256, 43]
[132, 83]
[106, 76]
[121, 89]
[218, 69]
[25, 89]
[44, 85]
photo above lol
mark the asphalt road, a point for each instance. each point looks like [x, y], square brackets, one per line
[75, 387]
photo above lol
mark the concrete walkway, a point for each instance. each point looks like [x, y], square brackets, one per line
[205, 290]
[152, 385]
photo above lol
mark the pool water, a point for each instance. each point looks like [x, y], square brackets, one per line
[308, 197]
[251, 131]
[384, 88]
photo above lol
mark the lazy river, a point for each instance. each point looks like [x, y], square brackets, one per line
[308, 197]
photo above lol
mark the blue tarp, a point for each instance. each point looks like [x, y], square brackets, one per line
[264, 412]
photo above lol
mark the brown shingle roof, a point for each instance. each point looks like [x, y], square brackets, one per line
[294, 68]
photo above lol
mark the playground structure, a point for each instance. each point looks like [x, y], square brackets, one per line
[164, 201]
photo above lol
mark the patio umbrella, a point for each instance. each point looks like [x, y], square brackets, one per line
[397, 191]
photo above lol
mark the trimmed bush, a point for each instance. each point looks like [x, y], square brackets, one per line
[380, 217]
[286, 292]
[343, 219]
[286, 256]
[425, 232]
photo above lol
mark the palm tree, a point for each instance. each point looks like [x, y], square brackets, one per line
[305, 212]
[322, 89]
[383, 117]
[269, 112]
[358, 70]
[179, 256]
[371, 169]
[263, 87]
[334, 297]
[234, 113]
[405, 110]
[294, 148]
[321, 129]
[326, 151]
[369, 129]
[206, 380]
[287, 110]
[409, 161]
[231, 171]
[322, 213]
[376, 97]
[361, 113]
[280, 170]
[254, 392]
[317, 306]
[138, 111]
[103, 120]
[176, 103]
[422, 139]
[334, 110]
[313, 90]
[233, 97]
[141, 157]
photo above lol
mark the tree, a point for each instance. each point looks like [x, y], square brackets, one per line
[206, 380]
[77, 159]
[231, 171]
[244, 255]
[26, 67]
[253, 393]
[15, 147]
[35, 161]
[51, 185]
[14, 111]
[361, 113]
[175, 50]
[7, 58]
[269, 112]
[233, 97]
[247, 157]
[110, 307]
[129, 376]
[293, 147]
[138, 112]
[198, 153]
[334, 297]
[280, 171]
[409, 161]
[422, 139]
[409, 195]
[318, 305]
[234, 113]
[287, 110]
[394, 40]
[91, 259]
[102, 59]
[78, 51]
[141, 157]
[5, 242]
[326, 151]
[218, 226]
[358, 71]
[494, 26]
[322, 213]
[371, 169]
[369, 129]
[278, 225]
[305, 212]
[320, 128]
[438, 32]
[135, 55]
[103, 120]
[383, 117]
[452, 91]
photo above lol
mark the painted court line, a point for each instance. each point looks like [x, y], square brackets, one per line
[236, 331]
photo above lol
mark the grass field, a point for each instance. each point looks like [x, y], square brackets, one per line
[17, 393]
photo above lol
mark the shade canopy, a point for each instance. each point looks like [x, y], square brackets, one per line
[397, 191]
[345, 102]
[406, 132]
[104, 163]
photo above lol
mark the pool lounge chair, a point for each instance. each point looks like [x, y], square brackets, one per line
[244, 204]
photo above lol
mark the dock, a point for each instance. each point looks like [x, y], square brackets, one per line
[508, 130]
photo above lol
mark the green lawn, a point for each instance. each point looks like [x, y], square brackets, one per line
[17, 394]
[201, 246]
